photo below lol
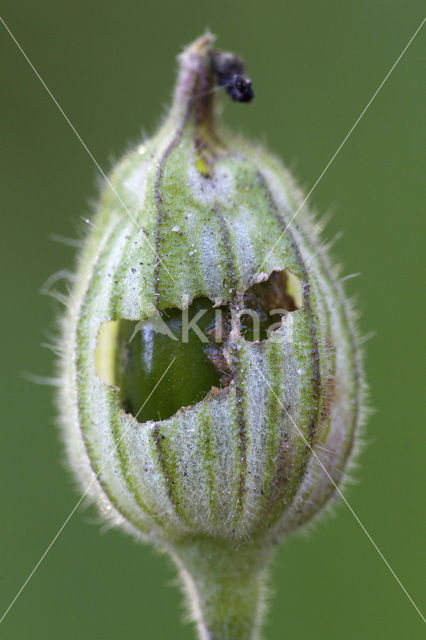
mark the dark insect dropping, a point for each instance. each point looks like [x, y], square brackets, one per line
[230, 73]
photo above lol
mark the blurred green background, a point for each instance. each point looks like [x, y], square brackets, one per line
[314, 67]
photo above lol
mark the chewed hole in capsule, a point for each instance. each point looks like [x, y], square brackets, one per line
[131, 354]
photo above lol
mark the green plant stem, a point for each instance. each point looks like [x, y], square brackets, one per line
[224, 583]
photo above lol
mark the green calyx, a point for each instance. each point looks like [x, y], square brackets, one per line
[211, 380]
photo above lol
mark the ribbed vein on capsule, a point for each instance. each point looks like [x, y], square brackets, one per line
[275, 486]
[307, 304]
[83, 334]
[236, 365]
[330, 297]
[167, 466]
[342, 312]
[159, 201]
[119, 429]
[205, 435]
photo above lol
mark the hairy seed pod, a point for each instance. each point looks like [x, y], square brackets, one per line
[211, 381]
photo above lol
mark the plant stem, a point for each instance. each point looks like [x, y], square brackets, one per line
[224, 583]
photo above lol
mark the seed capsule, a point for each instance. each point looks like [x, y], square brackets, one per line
[211, 380]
